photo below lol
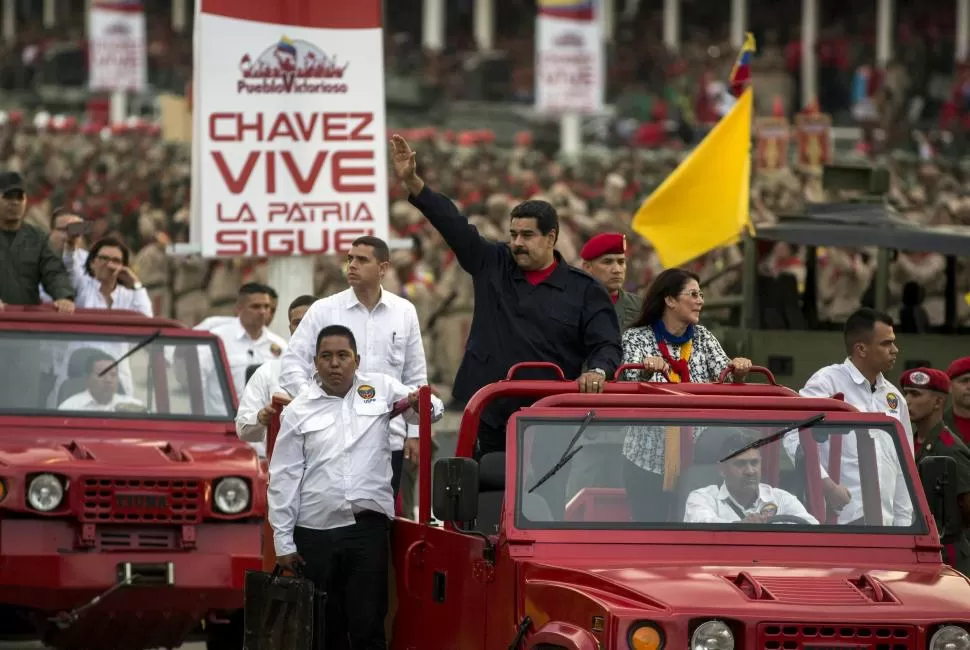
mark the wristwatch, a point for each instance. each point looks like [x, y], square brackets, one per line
[599, 370]
[137, 286]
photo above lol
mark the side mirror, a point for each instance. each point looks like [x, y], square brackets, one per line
[938, 475]
[455, 496]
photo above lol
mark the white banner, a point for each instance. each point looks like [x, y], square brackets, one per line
[290, 147]
[570, 66]
[117, 53]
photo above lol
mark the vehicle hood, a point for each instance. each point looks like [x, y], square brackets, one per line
[933, 589]
[128, 450]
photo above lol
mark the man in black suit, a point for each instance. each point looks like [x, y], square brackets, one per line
[530, 305]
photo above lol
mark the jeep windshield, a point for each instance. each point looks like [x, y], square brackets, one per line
[72, 374]
[671, 474]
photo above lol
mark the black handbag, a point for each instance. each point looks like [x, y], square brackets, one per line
[282, 612]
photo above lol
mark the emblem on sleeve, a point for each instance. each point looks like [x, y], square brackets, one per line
[366, 392]
[919, 378]
[892, 400]
[275, 350]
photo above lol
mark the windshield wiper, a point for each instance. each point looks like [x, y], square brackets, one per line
[568, 454]
[810, 422]
[147, 341]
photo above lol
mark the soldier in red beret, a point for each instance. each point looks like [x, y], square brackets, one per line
[926, 391]
[604, 257]
[957, 417]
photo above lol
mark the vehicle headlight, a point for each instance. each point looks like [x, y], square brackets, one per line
[231, 495]
[45, 492]
[713, 635]
[950, 637]
[644, 636]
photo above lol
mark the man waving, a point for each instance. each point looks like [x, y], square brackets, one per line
[530, 305]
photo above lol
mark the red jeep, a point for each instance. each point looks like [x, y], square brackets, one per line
[121, 476]
[543, 548]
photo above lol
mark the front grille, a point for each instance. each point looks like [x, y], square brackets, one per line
[804, 636]
[156, 501]
[124, 539]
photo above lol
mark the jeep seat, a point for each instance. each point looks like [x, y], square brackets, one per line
[491, 490]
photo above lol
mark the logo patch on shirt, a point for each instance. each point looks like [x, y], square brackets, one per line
[276, 350]
[366, 392]
[892, 400]
[770, 509]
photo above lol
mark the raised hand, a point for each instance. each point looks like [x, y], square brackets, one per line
[402, 157]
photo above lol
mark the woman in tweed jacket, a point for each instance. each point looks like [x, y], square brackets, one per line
[670, 343]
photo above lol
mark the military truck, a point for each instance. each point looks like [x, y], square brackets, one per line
[777, 326]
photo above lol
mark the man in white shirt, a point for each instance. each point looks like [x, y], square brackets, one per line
[870, 343]
[330, 498]
[385, 325]
[256, 403]
[101, 390]
[742, 497]
[246, 338]
[211, 322]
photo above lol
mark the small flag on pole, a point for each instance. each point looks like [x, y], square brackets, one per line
[741, 72]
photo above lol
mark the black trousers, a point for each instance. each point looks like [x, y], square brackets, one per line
[397, 460]
[350, 565]
[489, 439]
[645, 492]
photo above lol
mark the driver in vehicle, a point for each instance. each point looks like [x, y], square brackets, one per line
[101, 393]
[741, 496]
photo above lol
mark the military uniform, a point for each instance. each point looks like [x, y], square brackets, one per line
[153, 267]
[628, 308]
[943, 442]
[940, 441]
[188, 290]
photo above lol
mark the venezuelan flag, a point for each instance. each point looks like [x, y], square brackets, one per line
[571, 9]
[741, 72]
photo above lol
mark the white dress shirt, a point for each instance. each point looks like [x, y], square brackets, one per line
[258, 393]
[712, 505]
[332, 457]
[242, 351]
[85, 402]
[211, 322]
[388, 341]
[882, 397]
[87, 290]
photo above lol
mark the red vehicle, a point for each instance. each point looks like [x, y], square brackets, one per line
[121, 477]
[540, 549]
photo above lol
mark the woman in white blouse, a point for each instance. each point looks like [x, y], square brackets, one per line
[672, 346]
[106, 282]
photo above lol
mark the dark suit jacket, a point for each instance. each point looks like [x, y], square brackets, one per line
[568, 319]
[27, 261]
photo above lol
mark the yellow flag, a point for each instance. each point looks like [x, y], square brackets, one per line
[704, 203]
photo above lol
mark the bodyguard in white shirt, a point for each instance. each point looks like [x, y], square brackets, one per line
[742, 497]
[256, 403]
[870, 343]
[330, 498]
[386, 327]
[246, 338]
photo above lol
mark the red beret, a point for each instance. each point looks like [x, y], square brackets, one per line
[926, 379]
[959, 368]
[607, 243]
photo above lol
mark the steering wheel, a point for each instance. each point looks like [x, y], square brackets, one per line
[788, 519]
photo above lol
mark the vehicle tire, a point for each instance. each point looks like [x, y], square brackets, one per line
[226, 636]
